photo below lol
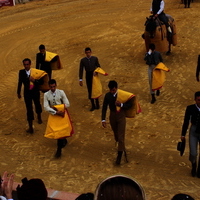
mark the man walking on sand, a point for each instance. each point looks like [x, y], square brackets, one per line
[89, 63]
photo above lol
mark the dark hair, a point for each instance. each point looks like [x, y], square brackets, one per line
[87, 49]
[152, 46]
[26, 59]
[197, 94]
[182, 197]
[52, 81]
[31, 190]
[112, 84]
[119, 187]
[87, 196]
[41, 47]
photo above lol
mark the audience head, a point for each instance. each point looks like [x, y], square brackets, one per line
[197, 98]
[182, 197]
[33, 189]
[119, 187]
[87, 196]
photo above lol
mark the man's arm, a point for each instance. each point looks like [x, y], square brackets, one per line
[128, 104]
[186, 122]
[81, 66]
[38, 65]
[162, 6]
[160, 57]
[64, 98]
[198, 68]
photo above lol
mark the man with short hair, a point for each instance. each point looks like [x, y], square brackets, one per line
[31, 93]
[192, 115]
[89, 63]
[53, 98]
[41, 63]
[117, 117]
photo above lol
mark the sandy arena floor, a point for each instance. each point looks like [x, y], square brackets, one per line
[112, 28]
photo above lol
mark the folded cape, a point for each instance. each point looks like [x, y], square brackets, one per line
[123, 96]
[96, 83]
[158, 76]
[59, 127]
[54, 60]
[38, 74]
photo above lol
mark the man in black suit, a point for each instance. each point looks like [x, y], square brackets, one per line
[152, 58]
[31, 93]
[41, 63]
[89, 63]
[192, 114]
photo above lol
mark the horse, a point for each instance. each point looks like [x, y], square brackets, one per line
[156, 32]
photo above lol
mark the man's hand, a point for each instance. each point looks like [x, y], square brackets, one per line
[117, 103]
[19, 96]
[197, 79]
[60, 113]
[95, 73]
[7, 185]
[103, 124]
[81, 83]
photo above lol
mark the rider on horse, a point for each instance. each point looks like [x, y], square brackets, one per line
[157, 10]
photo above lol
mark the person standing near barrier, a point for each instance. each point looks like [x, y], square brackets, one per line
[192, 114]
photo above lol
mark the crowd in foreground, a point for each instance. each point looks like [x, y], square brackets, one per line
[117, 187]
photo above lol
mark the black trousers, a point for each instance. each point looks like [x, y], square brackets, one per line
[30, 97]
[187, 3]
[162, 17]
[61, 143]
[89, 78]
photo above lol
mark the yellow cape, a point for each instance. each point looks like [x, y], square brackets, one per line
[38, 74]
[158, 76]
[96, 83]
[54, 60]
[57, 126]
[123, 96]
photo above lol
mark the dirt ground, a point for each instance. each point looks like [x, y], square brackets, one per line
[113, 30]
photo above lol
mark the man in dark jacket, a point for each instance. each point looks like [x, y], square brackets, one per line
[152, 58]
[89, 63]
[31, 93]
[192, 114]
[41, 63]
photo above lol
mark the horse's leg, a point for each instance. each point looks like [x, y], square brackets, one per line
[169, 49]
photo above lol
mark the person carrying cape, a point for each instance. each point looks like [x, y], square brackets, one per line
[92, 68]
[59, 125]
[33, 81]
[156, 70]
[47, 61]
[122, 104]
